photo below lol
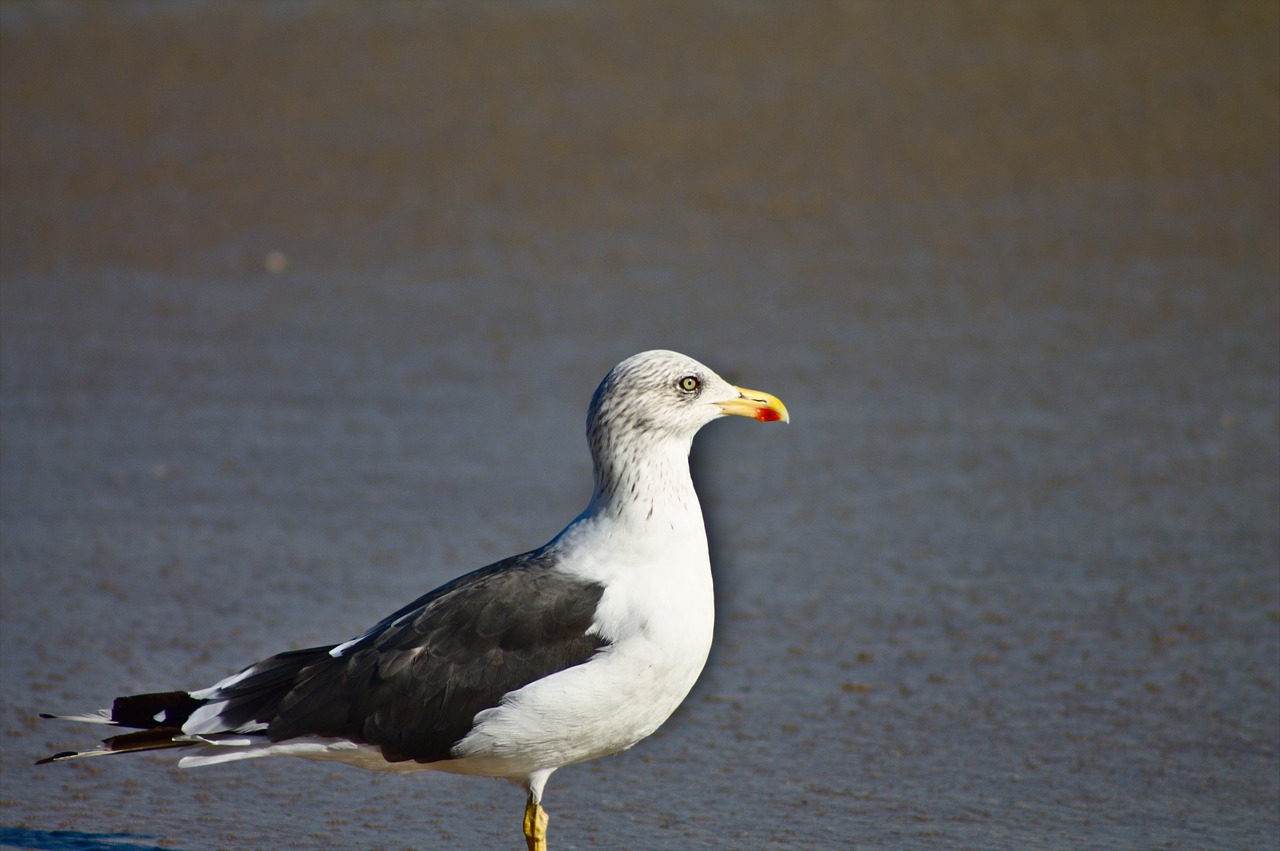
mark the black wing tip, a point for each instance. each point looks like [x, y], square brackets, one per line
[58, 757]
[153, 710]
[48, 717]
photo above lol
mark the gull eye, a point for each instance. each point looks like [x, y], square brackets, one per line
[688, 384]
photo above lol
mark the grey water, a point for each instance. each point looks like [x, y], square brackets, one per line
[302, 305]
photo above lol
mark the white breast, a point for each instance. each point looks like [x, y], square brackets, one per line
[657, 612]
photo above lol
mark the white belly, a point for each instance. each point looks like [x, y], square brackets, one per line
[611, 702]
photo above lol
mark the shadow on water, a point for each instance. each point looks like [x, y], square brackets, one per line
[72, 840]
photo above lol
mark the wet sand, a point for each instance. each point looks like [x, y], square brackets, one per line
[302, 308]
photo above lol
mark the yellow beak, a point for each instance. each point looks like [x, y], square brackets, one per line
[754, 403]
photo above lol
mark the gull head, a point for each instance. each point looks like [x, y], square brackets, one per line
[669, 396]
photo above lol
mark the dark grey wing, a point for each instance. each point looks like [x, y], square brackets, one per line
[413, 685]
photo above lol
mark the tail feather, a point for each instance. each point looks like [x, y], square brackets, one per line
[150, 711]
[140, 711]
[143, 740]
[158, 719]
[98, 716]
[242, 704]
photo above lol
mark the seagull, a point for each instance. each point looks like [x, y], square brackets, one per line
[575, 650]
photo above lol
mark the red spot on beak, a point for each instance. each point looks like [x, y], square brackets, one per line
[767, 415]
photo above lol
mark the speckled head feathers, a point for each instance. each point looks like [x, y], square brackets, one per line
[659, 393]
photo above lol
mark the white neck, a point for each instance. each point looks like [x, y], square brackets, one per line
[656, 495]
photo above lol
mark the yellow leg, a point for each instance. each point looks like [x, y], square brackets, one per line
[535, 826]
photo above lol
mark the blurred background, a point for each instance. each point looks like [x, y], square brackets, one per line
[302, 305]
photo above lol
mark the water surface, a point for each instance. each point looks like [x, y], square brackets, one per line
[302, 309]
